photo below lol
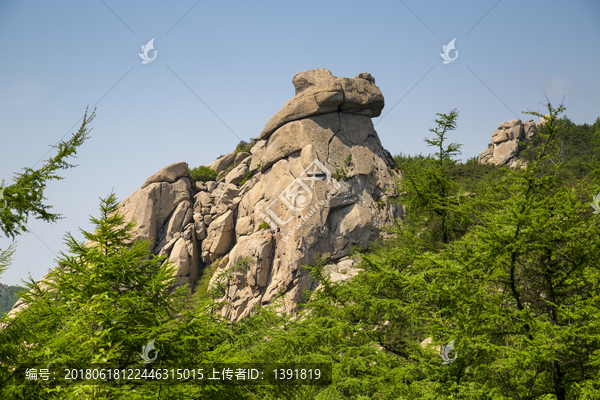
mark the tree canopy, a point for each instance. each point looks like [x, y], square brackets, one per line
[502, 263]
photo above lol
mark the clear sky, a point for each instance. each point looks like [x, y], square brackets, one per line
[222, 69]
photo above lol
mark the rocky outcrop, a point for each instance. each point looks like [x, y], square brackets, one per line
[316, 183]
[163, 213]
[504, 148]
[322, 184]
[319, 92]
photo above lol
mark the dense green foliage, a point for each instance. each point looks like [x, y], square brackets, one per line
[468, 175]
[8, 297]
[243, 147]
[108, 299]
[427, 188]
[580, 145]
[504, 262]
[203, 174]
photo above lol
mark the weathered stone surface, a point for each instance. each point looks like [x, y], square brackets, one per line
[180, 257]
[365, 75]
[506, 140]
[529, 130]
[351, 225]
[342, 271]
[308, 210]
[187, 231]
[222, 188]
[506, 151]
[151, 206]
[319, 92]
[245, 283]
[222, 163]
[292, 137]
[499, 136]
[485, 155]
[356, 128]
[258, 249]
[202, 200]
[219, 237]
[243, 226]
[169, 174]
[309, 103]
[166, 249]
[181, 217]
[163, 213]
[311, 78]
[241, 156]
[211, 185]
[257, 151]
[199, 226]
[361, 96]
[236, 175]
[516, 132]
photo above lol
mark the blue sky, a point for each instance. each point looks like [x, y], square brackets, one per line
[238, 59]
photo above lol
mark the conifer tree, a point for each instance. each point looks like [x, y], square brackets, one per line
[108, 298]
[25, 196]
[432, 196]
[518, 293]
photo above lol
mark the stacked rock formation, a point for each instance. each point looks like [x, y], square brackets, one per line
[322, 183]
[316, 182]
[504, 147]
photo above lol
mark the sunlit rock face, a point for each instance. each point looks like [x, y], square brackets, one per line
[316, 182]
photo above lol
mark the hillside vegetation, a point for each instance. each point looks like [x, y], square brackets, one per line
[8, 297]
[502, 263]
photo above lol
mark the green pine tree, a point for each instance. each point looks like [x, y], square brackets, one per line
[109, 297]
[25, 196]
[431, 194]
[518, 292]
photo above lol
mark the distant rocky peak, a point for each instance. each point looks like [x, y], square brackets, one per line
[504, 147]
